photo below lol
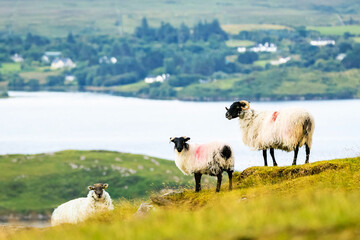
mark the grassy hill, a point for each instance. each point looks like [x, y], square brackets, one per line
[277, 83]
[58, 18]
[313, 201]
[38, 183]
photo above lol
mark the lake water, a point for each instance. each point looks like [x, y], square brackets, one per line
[37, 122]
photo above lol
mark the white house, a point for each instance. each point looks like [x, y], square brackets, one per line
[62, 63]
[69, 78]
[106, 59]
[341, 56]
[17, 58]
[49, 56]
[158, 78]
[280, 61]
[322, 42]
[241, 49]
[267, 47]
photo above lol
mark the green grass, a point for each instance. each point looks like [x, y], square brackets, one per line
[131, 87]
[356, 39]
[278, 83]
[6, 68]
[39, 75]
[336, 30]
[312, 201]
[125, 90]
[239, 43]
[38, 183]
[58, 18]
[236, 28]
[261, 63]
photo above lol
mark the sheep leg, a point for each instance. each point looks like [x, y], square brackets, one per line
[265, 157]
[307, 153]
[273, 156]
[218, 185]
[197, 182]
[230, 179]
[295, 154]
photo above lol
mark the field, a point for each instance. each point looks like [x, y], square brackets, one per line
[239, 43]
[313, 201]
[336, 30]
[6, 68]
[236, 28]
[58, 18]
[39, 75]
[357, 39]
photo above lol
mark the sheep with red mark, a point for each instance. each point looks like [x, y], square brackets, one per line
[198, 159]
[286, 129]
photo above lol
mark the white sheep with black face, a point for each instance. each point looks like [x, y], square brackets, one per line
[286, 129]
[198, 159]
[78, 210]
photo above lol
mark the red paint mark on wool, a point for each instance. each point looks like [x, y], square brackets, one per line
[274, 116]
[200, 152]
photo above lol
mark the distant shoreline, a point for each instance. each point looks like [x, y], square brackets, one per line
[313, 97]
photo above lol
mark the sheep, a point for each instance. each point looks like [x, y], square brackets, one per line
[287, 129]
[210, 159]
[78, 210]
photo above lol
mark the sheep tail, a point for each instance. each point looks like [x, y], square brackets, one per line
[307, 127]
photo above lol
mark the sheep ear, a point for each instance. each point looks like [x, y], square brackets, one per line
[90, 187]
[186, 139]
[171, 139]
[105, 186]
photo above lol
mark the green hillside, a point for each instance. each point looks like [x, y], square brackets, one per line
[57, 18]
[313, 201]
[38, 183]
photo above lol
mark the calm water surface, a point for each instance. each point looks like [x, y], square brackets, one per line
[47, 122]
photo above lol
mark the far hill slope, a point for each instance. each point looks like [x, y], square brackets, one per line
[38, 183]
[58, 18]
[313, 201]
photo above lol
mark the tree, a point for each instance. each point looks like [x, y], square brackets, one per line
[55, 80]
[167, 33]
[248, 57]
[16, 82]
[352, 59]
[144, 31]
[183, 33]
[70, 38]
[33, 85]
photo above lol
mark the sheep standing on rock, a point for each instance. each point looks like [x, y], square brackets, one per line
[77, 210]
[287, 129]
[211, 159]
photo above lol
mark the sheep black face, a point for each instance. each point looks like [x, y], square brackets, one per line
[236, 108]
[98, 190]
[180, 143]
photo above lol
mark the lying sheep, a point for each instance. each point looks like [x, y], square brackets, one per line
[79, 209]
[287, 129]
[210, 159]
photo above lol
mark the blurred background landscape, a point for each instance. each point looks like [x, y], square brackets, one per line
[218, 50]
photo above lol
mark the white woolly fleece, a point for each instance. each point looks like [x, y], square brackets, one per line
[78, 210]
[204, 159]
[282, 129]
